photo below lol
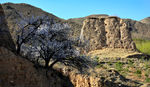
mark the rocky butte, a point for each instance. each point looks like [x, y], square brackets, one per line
[106, 32]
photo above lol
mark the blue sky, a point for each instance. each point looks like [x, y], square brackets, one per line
[134, 9]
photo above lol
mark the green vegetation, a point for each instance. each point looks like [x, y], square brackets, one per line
[143, 45]
[130, 62]
[96, 58]
[147, 65]
[119, 66]
[99, 66]
[138, 72]
[147, 72]
[147, 79]
[126, 69]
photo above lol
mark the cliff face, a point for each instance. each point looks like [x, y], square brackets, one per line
[103, 32]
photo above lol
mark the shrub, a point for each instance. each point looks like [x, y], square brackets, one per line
[138, 72]
[130, 62]
[119, 66]
[99, 66]
[147, 80]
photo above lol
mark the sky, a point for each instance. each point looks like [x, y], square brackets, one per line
[133, 9]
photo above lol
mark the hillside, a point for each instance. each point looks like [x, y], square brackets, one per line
[15, 12]
[146, 20]
[19, 72]
[110, 59]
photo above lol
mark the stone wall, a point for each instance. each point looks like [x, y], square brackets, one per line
[107, 31]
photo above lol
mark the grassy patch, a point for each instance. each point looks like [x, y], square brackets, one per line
[147, 72]
[147, 80]
[130, 63]
[96, 58]
[138, 72]
[143, 45]
[119, 66]
[99, 66]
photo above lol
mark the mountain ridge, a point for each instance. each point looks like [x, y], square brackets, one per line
[139, 28]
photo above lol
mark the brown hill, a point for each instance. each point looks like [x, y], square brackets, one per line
[146, 20]
[16, 12]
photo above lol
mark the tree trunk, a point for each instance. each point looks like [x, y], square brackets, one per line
[18, 49]
[47, 66]
[51, 66]
[46, 63]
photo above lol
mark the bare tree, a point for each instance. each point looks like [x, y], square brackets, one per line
[27, 29]
[50, 40]
[54, 45]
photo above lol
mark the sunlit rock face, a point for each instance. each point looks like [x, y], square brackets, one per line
[107, 31]
[93, 30]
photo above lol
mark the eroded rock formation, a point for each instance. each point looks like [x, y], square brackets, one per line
[106, 31]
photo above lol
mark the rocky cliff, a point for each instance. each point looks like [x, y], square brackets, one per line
[106, 31]
[140, 29]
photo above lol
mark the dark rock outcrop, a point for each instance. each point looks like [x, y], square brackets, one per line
[5, 36]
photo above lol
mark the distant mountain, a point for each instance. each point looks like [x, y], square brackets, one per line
[146, 20]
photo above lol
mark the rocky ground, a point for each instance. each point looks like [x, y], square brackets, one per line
[19, 72]
[132, 65]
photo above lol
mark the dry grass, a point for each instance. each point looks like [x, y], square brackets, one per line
[112, 53]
